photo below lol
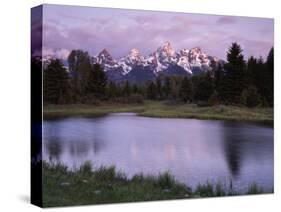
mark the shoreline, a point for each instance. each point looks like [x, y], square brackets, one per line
[156, 109]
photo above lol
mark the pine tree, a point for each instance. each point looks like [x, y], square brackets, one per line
[250, 97]
[56, 86]
[251, 71]
[234, 78]
[127, 89]
[218, 75]
[204, 87]
[112, 90]
[167, 87]
[135, 88]
[80, 68]
[185, 89]
[151, 90]
[159, 88]
[96, 82]
[262, 80]
[270, 73]
[175, 85]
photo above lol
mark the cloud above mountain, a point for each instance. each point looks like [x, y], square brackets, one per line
[226, 20]
[93, 29]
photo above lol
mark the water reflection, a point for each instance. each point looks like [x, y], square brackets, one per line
[192, 150]
[54, 149]
[97, 146]
[232, 147]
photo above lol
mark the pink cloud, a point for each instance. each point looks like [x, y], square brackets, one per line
[226, 20]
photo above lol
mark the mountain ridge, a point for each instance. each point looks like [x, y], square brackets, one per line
[165, 60]
[162, 61]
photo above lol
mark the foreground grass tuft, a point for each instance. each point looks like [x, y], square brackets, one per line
[254, 189]
[62, 187]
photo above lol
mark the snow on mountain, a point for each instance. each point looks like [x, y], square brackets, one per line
[134, 58]
[46, 60]
[159, 61]
[183, 60]
[198, 58]
[105, 58]
[164, 60]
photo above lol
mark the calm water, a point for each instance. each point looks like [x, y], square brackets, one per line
[192, 150]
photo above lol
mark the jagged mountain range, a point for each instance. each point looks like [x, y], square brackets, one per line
[164, 61]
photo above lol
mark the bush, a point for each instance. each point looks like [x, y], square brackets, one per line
[89, 99]
[214, 99]
[205, 190]
[109, 174]
[132, 99]
[135, 98]
[166, 180]
[202, 104]
[250, 97]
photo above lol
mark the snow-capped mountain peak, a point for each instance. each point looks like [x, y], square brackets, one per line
[104, 57]
[164, 60]
[134, 56]
[166, 49]
[198, 58]
[134, 53]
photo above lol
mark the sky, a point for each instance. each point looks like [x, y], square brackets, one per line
[119, 30]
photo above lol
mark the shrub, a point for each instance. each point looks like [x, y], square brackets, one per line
[250, 97]
[214, 99]
[89, 99]
[86, 168]
[166, 180]
[109, 174]
[135, 98]
[132, 99]
[205, 190]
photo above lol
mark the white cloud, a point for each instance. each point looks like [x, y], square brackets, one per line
[59, 53]
[62, 53]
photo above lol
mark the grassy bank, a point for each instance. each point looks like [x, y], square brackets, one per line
[63, 187]
[160, 109]
[56, 111]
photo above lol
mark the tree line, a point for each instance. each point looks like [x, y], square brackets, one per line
[236, 81]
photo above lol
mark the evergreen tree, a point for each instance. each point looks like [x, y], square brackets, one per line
[218, 75]
[159, 88]
[261, 80]
[175, 87]
[135, 88]
[204, 87]
[270, 73]
[250, 97]
[127, 89]
[96, 82]
[251, 70]
[167, 87]
[234, 78]
[151, 90]
[185, 89]
[80, 68]
[56, 86]
[112, 90]
[214, 98]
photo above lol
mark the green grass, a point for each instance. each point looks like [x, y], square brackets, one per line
[163, 110]
[57, 111]
[63, 187]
